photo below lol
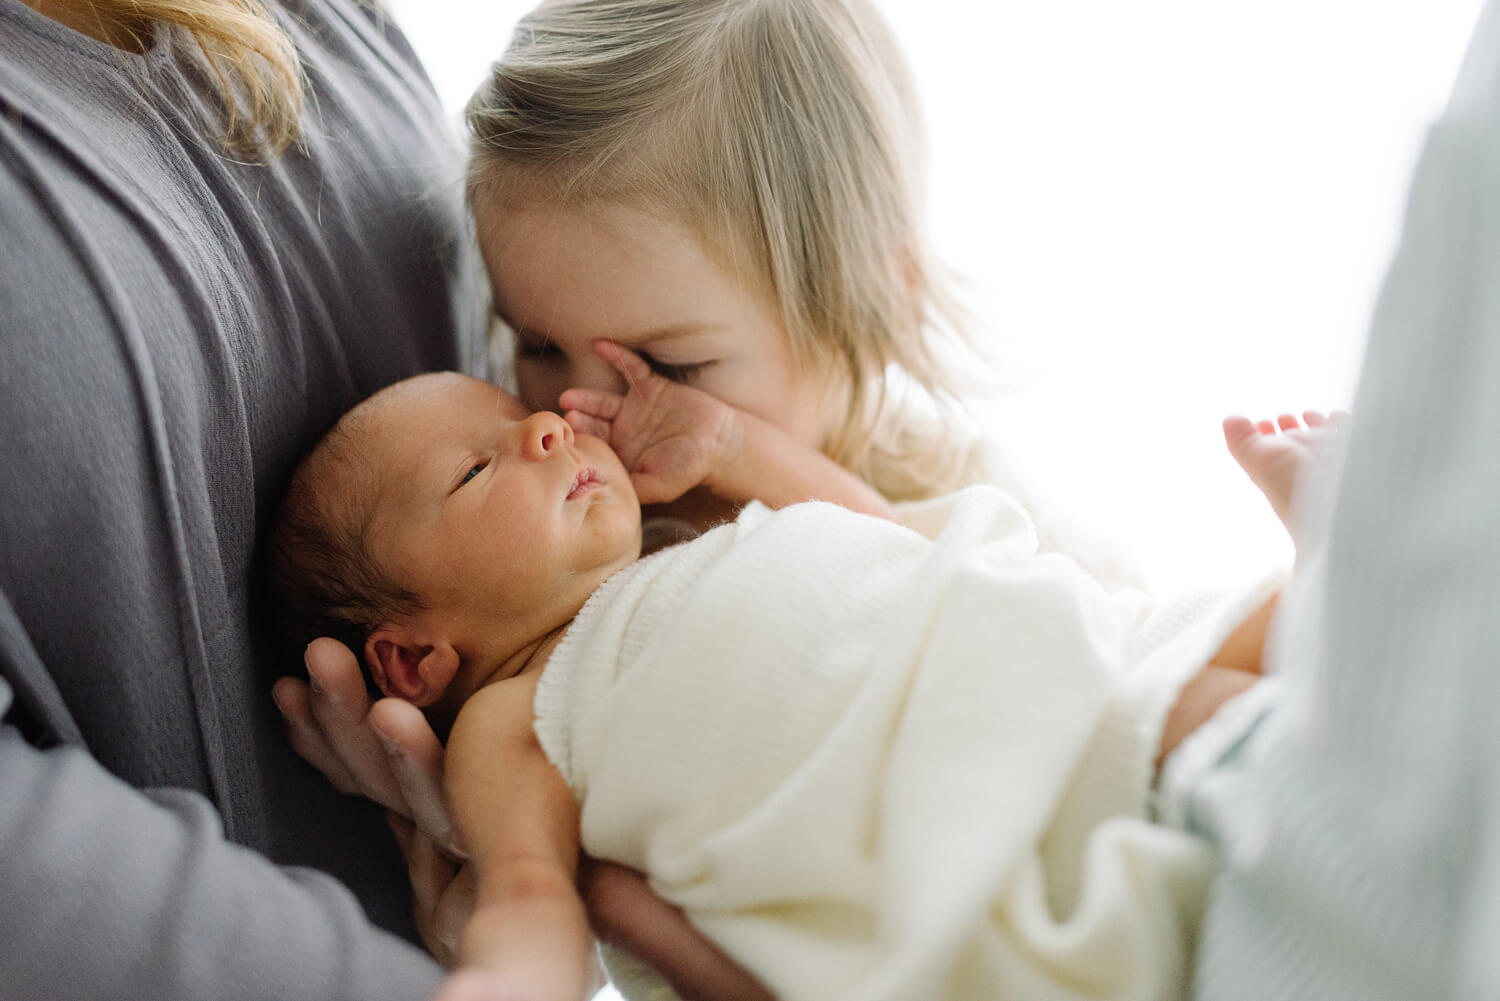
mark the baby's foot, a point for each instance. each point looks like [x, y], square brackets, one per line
[1274, 453]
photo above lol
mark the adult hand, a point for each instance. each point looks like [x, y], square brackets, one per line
[624, 912]
[671, 437]
[471, 985]
[443, 890]
[386, 751]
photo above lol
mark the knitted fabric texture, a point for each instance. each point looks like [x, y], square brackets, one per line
[870, 764]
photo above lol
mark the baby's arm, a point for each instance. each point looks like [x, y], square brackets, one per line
[1233, 668]
[1199, 699]
[520, 823]
[674, 437]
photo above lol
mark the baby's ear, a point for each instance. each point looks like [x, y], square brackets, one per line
[406, 667]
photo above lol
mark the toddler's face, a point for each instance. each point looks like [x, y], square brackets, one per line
[564, 278]
[496, 517]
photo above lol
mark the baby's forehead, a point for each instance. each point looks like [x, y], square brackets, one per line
[389, 445]
[445, 395]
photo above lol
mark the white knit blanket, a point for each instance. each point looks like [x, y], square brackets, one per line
[870, 765]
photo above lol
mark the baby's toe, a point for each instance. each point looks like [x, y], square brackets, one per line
[1238, 432]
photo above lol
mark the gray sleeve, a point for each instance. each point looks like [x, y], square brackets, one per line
[136, 894]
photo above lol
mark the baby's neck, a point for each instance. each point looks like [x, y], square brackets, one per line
[529, 659]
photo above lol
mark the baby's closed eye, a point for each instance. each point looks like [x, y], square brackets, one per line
[473, 471]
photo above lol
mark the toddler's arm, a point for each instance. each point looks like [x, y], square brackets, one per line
[520, 823]
[674, 437]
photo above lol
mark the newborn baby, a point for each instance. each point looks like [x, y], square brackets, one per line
[866, 762]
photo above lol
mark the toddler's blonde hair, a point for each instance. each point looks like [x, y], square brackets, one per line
[786, 134]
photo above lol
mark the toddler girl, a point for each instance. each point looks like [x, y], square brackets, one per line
[731, 192]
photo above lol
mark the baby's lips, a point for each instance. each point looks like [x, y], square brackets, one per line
[587, 479]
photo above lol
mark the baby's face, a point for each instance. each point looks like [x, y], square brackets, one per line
[500, 520]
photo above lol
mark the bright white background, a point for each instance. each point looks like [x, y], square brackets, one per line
[1167, 210]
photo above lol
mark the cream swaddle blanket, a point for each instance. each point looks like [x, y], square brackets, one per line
[871, 765]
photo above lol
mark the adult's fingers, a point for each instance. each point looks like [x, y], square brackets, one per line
[292, 697]
[474, 985]
[415, 757]
[625, 912]
[443, 891]
[341, 709]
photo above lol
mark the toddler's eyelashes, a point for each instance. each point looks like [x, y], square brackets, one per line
[676, 372]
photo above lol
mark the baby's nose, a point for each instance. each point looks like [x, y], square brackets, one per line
[542, 433]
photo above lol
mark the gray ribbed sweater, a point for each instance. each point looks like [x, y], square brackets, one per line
[175, 329]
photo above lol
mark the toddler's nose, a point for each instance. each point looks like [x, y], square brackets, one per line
[542, 433]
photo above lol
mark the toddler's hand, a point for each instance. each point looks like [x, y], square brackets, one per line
[670, 437]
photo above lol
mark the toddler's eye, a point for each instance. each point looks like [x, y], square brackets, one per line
[677, 372]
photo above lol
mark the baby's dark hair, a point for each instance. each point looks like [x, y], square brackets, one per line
[324, 581]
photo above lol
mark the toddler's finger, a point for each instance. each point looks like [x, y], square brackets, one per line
[583, 423]
[1266, 427]
[631, 365]
[1288, 422]
[1314, 418]
[596, 402]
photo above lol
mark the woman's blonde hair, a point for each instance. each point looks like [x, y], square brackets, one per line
[248, 56]
[786, 134]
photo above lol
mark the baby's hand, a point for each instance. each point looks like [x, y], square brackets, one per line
[670, 437]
